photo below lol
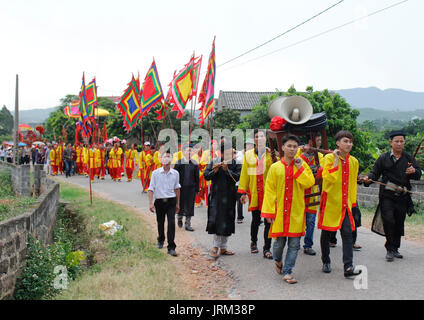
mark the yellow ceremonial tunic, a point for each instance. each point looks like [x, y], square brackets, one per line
[284, 198]
[85, 155]
[115, 157]
[130, 156]
[141, 164]
[78, 150]
[97, 158]
[253, 177]
[54, 158]
[176, 156]
[313, 189]
[338, 192]
[91, 153]
[157, 160]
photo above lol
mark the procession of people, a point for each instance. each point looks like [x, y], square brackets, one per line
[224, 179]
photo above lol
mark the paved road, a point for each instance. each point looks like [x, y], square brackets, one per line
[401, 279]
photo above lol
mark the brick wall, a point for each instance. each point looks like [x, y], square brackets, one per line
[368, 196]
[39, 220]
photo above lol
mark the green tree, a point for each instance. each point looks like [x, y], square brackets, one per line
[226, 119]
[57, 120]
[6, 122]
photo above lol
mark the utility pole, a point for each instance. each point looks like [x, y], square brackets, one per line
[16, 125]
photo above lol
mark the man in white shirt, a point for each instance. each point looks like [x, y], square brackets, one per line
[165, 189]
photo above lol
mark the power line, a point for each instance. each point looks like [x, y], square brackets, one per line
[282, 34]
[319, 34]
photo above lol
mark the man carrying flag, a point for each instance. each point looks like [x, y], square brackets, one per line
[129, 162]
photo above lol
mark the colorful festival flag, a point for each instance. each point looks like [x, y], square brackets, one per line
[129, 104]
[84, 118]
[206, 95]
[181, 88]
[91, 97]
[152, 90]
[196, 76]
[72, 110]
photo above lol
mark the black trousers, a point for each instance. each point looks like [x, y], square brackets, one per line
[393, 214]
[166, 208]
[254, 228]
[187, 197]
[239, 207]
[347, 243]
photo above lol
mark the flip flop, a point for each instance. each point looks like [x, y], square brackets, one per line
[289, 279]
[226, 253]
[254, 249]
[267, 254]
[279, 267]
[214, 253]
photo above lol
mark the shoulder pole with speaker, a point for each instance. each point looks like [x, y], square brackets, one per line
[299, 120]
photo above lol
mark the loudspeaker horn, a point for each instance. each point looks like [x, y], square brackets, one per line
[295, 109]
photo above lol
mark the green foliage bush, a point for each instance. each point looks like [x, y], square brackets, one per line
[11, 206]
[36, 282]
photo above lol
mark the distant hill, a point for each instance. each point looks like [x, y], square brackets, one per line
[389, 99]
[374, 103]
[33, 116]
[375, 114]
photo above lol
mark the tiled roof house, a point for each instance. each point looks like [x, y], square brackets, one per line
[239, 100]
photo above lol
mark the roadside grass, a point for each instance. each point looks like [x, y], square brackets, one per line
[414, 225]
[11, 206]
[126, 265]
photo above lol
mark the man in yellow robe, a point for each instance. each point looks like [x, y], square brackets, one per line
[54, 159]
[78, 150]
[157, 156]
[91, 162]
[284, 205]
[115, 158]
[308, 156]
[256, 163]
[59, 156]
[340, 172]
[129, 161]
[85, 159]
[145, 163]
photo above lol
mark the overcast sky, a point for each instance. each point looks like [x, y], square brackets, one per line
[50, 43]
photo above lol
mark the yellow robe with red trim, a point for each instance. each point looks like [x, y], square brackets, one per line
[284, 198]
[176, 156]
[157, 160]
[116, 158]
[313, 189]
[54, 158]
[130, 156]
[253, 177]
[97, 158]
[91, 156]
[339, 189]
[78, 150]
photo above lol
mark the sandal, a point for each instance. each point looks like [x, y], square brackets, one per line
[214, 253]
[254, 248]
[289, 279]
[239, 221]
[357, 247]
[267, 254]
[225, 252]
[279, 267]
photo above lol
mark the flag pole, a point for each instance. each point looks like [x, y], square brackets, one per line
[192, 102]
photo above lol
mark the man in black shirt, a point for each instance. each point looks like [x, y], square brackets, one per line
[396, 168]
[189, 181]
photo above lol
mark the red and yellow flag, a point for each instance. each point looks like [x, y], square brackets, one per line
[206, 95]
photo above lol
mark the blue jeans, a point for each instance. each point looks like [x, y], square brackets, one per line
[310, 226]
[291, 255]
[68, 167]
